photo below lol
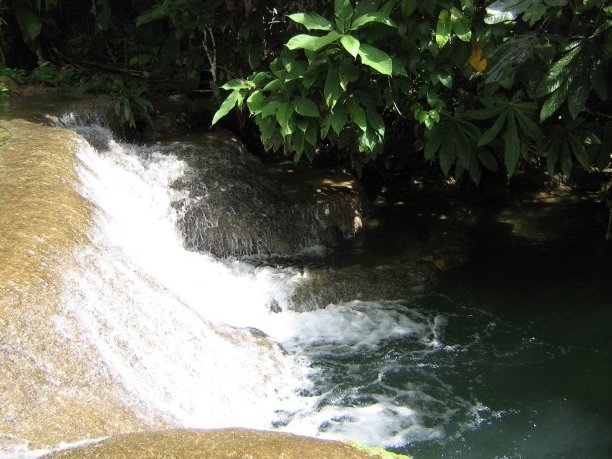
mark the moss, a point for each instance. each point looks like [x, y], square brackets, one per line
[377, 452]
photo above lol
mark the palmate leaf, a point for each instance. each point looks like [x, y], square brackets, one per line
[510, 116]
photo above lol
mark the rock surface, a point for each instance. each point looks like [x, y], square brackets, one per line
[219, 444]
[236, 206]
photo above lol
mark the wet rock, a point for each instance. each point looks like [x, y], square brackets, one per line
[233, 205]
[322, 287]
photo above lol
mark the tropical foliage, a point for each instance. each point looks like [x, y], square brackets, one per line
[472, 86]
[488, 85]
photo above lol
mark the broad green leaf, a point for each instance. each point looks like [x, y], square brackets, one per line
[375, 16]
[432, 145]
[492, 132]
[235, 84]
[29, 23]
[375, 121]
[408, 7]
[343, 13]
[306, 107]
[446, 156]
[506, 10]
[351, 44]
[311, 133]
[488, 159]
[332, 91]
[312, 21]
[225, 107]
[554, 102]
[512, 146]
[311, 42]
[348, 73]
[578, 96]
[283, 115]
[270, 107]
[338, 119]
[358, 115]
[443, 28]
[461, 27]
[376, 58]
[274, 85]
[528, 126]
[255, 102]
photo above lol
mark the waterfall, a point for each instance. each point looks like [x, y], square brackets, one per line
[145, 334]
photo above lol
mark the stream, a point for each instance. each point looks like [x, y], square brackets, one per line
[508, 356]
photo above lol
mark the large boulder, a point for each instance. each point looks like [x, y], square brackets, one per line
[233, 205]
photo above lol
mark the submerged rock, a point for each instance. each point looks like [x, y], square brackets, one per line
[222, 443]
[321, 287]
[233, 205]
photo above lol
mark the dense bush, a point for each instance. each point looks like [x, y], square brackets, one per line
[487, 84]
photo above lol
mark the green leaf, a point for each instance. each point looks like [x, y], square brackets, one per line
[255, 102]
[225, 107]
[408, 7]
[311, 42]
[358, 115]
[376, 16]
[554, 102]
[343, 13]
[461, 27]
[443, 28]
[528, 126]
[347, 74]
[512, 146]
[351, 44]
[338, 119]
[376, 59]
[506, 10]
[29, 23]
[332, 91]
[283, 115]
[488, 159]
[311, 134]
[578, 96]
[492, 132]
[312, 21]
[235, 84]
[306, 107]
[270, 107]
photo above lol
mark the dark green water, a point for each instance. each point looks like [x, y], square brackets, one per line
[516, 358]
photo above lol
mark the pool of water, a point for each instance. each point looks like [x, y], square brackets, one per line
[508, 357]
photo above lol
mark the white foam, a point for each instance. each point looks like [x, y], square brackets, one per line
[161, 317]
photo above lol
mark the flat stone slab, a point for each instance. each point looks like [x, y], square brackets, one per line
[221, 444]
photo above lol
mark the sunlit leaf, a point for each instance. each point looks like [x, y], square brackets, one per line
[351, 44]
[443, 28]
[312, 21]
[226, 107]
[376, 58]
[311, 42]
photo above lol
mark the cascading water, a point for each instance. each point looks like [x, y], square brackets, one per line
[191, 340]
[147, 334]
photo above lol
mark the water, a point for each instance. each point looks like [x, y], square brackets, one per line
[508, 357]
